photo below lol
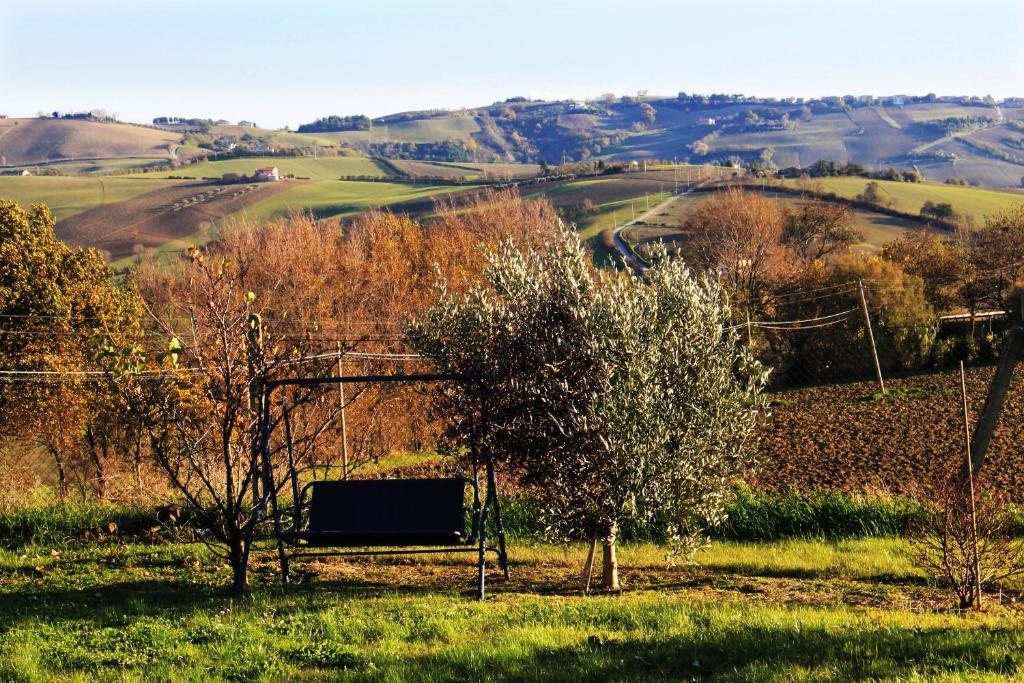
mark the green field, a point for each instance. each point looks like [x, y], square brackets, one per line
[341, 198]
[323, 168]
[100, 166]
[783, 611]
[910, 196]
[69, 195]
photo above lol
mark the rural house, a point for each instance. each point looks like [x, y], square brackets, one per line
[267, 174]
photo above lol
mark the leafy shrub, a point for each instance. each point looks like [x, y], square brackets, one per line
[755, 516]
[833, 515]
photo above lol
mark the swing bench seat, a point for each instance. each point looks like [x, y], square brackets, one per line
[385, 512]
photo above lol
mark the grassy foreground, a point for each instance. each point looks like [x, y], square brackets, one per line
[789, 610]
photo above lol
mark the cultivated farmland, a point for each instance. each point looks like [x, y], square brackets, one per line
[70, 195]
[165, 218]
[843, 436]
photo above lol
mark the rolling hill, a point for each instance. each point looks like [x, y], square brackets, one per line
[25, 142]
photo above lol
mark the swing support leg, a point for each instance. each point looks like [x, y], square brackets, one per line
[482, 558]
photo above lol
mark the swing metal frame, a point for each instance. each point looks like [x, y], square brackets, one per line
[294, 542]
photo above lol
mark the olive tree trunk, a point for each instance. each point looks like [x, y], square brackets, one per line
[610, 564]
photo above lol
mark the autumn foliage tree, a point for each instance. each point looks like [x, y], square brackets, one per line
[817, 230]
[739, 235]
[54, 302]
[903, 320]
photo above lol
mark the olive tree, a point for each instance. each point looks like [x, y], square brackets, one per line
[619, 398]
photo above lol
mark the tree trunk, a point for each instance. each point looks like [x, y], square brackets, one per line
[588, 566]
[62, 475]
[610, 564]
[138, 464]
[98, 452]
[238, 556]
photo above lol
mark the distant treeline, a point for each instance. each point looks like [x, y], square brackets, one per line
[826, 169]
[334, 123]
[449, 150]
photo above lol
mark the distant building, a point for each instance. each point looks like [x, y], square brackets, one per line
[24, 172]
[267, 174]
[247, 124]
[261, 148]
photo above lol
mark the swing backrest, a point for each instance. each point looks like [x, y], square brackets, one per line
[396, 512]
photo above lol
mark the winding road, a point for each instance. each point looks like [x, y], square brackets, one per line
[631, 258]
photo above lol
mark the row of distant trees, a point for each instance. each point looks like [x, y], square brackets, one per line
[335, 123]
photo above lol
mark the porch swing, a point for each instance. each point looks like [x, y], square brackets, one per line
[380, 516]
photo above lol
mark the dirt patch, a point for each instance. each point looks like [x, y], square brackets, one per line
[147, 221]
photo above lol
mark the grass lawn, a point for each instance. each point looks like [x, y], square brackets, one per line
[910, 196]
[323, 168]
[793, 610]
[70, 195]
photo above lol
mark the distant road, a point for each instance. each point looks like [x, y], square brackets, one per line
[623, 247]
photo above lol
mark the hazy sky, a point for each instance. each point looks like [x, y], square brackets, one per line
[290, 61]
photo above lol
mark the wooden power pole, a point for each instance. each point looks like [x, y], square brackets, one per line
[871, 336]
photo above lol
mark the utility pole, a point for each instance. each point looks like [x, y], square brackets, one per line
[970, 490]
[871, 336]
[341, 404]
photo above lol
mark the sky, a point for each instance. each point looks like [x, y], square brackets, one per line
[288, 62]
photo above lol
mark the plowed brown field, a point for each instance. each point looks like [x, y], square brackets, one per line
[839, 437]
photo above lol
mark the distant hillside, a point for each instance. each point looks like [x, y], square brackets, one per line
[37, 141]
[978, 140]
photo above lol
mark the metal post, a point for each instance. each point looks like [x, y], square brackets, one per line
[482, 558]
[970, 483]
[871, 336]
[750, 338]
[492, 487]
[344, 429]
[269, 487]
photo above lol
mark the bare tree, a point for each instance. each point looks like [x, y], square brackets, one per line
[943, 542]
